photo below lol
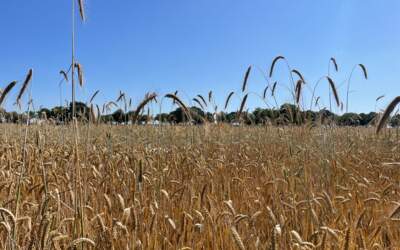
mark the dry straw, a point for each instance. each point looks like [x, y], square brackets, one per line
[237, 238]
[395, 213]
[347, 240]
[88, 241]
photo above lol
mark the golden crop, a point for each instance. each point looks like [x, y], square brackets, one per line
[207, 187]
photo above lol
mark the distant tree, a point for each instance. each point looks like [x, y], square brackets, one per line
[349, 119]
[290, 114]
[310, 116]
[163, 117]
[395, 121]
[230, 117]
[3, 115]
[366, 119]
[144, 119]
[259, 115]
[179, 116]
[249, 118]
[44, 113]
[287, 114]
[12, 117]
[198, 115]
[59, 113]
[82, 111]
[326, 117]
[263, 116]
[118, 116]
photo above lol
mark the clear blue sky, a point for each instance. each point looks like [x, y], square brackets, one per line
[196, 46]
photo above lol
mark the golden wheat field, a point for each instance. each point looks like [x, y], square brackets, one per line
[207, 187]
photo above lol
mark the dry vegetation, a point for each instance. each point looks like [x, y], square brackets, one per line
[208, 187]
[98, 186]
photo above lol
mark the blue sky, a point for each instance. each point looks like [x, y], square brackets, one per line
[197, 46]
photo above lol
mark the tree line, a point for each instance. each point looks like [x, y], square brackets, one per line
[287, 114]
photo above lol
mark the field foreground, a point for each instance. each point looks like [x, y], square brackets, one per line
[209, 187]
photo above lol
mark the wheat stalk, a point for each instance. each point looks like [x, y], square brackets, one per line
[273, 88]
[121, 95]
[228, 99]
[81, 9]
[271, 70]
[237, 239]
[6, 90]
[82, 240]
[181, 104]
[24, 85]
[243, 103]
[333, 60]
[202, 98]
[334, 91]
[364, 70]
[80, 73]
[265, 92]
[246, 77]
[93, 96]
[298, 90]
[299, 75]
[379, 97]
[148, 98]
[198, 102]
[386, 115]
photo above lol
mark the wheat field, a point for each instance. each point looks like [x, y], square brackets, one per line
[301, 172]
[88, 186]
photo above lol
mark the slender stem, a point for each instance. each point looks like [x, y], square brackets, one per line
[292, 90]
[348, 88]
[313, 93]
[330, 94]
[73, 60]
[22, 170]
[261, 98]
